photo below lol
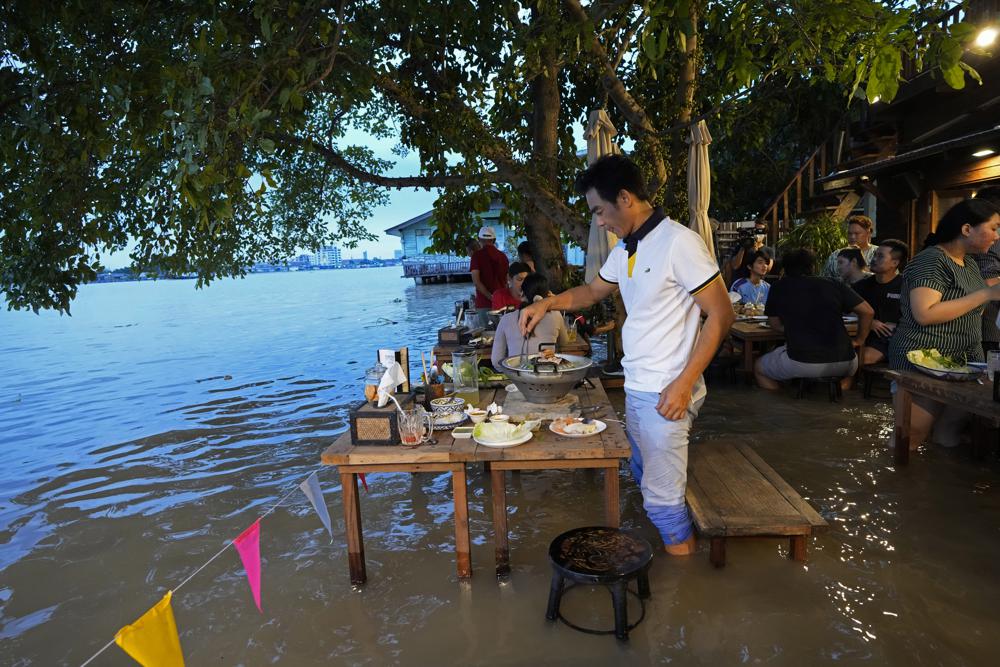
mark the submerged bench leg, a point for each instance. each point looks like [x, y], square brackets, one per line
[717, 553]
[797, 548]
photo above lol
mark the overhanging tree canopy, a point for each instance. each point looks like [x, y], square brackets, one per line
[213, 134]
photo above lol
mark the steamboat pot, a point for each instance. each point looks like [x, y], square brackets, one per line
[544, 381]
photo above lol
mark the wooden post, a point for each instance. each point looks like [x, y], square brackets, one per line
[499, 492]
[612, 510]
[822, 159]
[798, 194]
[811, 166]
[797, 548]
[784, 199]
[901, 431]
[717, 552]
[352, 526]
[463, 553]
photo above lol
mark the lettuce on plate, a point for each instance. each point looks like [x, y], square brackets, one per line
[499, 432]
[931, 358]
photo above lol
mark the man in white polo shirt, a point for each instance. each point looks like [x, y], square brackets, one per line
[667, 280]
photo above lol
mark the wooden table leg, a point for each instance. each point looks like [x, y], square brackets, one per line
[901, 431]
[797, 547]
[612, 508]
[463, 551]
[352, 526]
[717, 552]
[498, 484]
[748, 361]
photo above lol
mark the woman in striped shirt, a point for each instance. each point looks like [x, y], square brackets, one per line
[943, 297]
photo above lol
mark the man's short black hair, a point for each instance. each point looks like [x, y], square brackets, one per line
[609, 176]
[855, 255]
[752, 257]
[899, 251]
[516, 268]
[525, 248]
[799, 262]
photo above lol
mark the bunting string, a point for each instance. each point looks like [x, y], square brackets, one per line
[297, 488]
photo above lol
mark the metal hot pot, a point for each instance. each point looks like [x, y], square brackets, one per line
[544, 381]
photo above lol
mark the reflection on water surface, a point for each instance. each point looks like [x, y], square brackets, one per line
[141, 434]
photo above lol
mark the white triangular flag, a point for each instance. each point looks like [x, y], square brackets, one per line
[310, 487]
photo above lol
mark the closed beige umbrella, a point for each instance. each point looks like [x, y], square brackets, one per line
[600, 137]
[700, 183]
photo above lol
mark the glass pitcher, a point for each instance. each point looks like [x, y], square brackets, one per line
[466, 376]
[415, 427]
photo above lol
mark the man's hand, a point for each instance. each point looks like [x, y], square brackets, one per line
[675, 399]
[883, 329]
[531, 315]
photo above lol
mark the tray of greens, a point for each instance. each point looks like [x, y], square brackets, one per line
[943, 367]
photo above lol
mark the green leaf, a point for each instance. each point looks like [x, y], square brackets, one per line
[266, 145]
[954, 76]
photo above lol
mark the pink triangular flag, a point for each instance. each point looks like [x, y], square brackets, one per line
[248, 546]
[364, 482]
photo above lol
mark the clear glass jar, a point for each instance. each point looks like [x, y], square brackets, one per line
[466, 376]
[372, 377]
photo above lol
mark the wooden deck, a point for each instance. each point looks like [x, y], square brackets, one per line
[733, 493]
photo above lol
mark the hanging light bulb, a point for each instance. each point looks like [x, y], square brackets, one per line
[986, 37]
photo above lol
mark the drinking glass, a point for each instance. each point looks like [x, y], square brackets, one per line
[415, 427]
[992, 363]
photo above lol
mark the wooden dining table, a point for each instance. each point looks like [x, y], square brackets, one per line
[972, 397]
[757, 333]
[545, 450]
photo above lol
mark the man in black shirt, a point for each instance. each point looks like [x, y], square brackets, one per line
[881, 291]
[810, 312]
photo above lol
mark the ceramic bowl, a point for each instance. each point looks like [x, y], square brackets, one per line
[500, 419]
[476, 415]
[447, 405]
[532, 424]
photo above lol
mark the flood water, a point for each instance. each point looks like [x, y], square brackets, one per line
[143, 433]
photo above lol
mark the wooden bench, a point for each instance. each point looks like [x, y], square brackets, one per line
[733, 493]
[868, 376]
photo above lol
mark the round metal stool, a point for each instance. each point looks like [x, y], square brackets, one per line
[596, 555]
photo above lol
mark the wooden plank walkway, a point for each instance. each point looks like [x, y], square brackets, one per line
[733, 493]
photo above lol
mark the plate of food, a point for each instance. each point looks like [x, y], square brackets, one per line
[943, 367]
[576, 427]
[449, 420]
[501, 434]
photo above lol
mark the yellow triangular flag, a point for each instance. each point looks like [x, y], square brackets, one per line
[152, 639]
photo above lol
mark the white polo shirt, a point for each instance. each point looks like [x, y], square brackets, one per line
[671, 265]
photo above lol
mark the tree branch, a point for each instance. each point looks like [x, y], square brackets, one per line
[629, 107]
[336, 159]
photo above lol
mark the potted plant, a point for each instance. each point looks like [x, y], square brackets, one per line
[823, 234]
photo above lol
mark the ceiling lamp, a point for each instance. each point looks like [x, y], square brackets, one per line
[984, 152]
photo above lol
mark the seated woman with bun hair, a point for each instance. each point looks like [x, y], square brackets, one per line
[551, 329]
[942, 299]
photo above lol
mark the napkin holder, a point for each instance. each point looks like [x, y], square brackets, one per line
[458, 335]
[372, 425]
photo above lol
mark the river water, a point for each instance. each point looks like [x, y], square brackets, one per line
[140, 435]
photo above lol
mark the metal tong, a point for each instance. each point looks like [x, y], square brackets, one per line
[525, 362]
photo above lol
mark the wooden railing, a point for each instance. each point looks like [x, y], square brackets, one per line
[788, 205]
[418, 267]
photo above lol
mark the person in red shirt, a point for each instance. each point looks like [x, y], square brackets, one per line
[511, 295]
[489, 271]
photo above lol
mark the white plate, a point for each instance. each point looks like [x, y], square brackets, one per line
[751, 318]
[850, 318]
[509, 443]
[600, 427]
[975, 370]
[449, 420]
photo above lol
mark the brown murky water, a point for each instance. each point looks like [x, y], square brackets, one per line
[140, 436]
